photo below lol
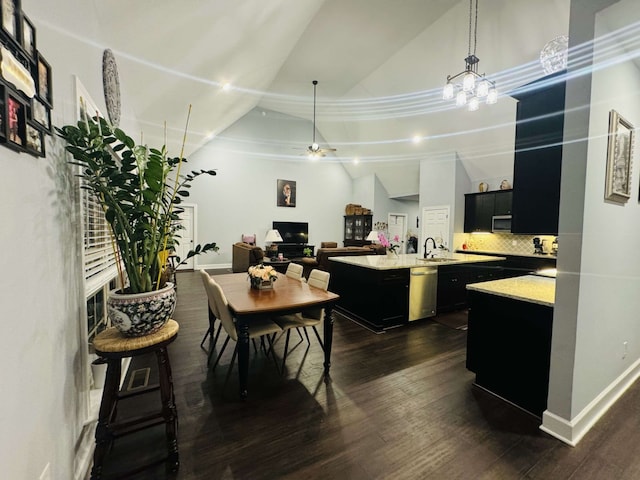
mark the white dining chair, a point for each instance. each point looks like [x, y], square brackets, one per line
[307, 318]
[294, 270]
[257, 327]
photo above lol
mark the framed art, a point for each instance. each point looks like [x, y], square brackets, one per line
[10, 10]
[16, 121]
[28, 37]
[34, 141]
[619, 154]
[3, 116]
[286, 192]
[44, 81]
[41, 114]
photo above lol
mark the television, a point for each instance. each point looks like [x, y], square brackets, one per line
[293, 232]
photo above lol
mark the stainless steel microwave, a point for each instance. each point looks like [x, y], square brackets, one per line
[501, 224]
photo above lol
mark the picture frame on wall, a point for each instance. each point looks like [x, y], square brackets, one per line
[41, 114]
[44, 81]
[3, 115]
[286, 192]
[619, 157]
[9, 14]
[28, 37]
[16, 121]
[34, 141]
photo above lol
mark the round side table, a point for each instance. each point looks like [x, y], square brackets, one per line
[113, 346]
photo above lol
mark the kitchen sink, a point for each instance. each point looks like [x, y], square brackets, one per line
[434, 260]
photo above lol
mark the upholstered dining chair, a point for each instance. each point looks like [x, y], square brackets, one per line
[294, 270]
[307, 318]
[257, 328]
[213, 316]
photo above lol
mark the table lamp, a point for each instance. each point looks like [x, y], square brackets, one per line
[372, 237]
[272, 249]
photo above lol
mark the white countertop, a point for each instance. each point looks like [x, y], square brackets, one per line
[529, 288]
[383, 262]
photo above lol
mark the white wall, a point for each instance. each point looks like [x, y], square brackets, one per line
[597, 286]
[41, 292]
[242, 197]
[444, 181]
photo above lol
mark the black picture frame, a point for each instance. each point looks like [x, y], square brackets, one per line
[41, 115]
[16, 115]
[10, 19]
[43, 76]
[3, 115]
[34, 140]
[28, 38]
[286, 192]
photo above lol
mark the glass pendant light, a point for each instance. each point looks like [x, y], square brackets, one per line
[447, 92]
[461, 98]
[474, 104]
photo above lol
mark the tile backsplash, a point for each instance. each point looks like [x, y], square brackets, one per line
[500, 242]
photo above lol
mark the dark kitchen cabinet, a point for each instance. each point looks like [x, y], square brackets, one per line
[538, 156]
[479, 209]
[453, 281]
[503, 202]
[509, 349]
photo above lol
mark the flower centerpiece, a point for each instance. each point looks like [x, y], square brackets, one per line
[262, 276]
[391, 247]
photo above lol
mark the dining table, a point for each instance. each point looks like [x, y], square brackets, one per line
[286, 296]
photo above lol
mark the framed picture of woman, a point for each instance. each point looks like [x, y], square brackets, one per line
[16, 121]
[286, 191]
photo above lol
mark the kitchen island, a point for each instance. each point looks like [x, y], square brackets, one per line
[509, 338]
[384, 292]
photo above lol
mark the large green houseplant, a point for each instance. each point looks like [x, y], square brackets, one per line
[140, 190]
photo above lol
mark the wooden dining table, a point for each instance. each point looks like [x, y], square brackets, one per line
[286, 296]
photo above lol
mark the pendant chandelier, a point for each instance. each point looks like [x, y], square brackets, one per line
[469, 87]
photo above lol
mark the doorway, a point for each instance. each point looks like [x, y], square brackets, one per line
[187, 235]
[396, 224]
[435, 224]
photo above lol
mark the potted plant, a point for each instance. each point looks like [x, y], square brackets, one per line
[139, 189]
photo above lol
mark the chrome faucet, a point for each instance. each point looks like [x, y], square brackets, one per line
[427, 252]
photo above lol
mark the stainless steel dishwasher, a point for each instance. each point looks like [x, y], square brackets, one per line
[423, 289]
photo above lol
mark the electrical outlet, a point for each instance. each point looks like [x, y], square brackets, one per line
[46, 473]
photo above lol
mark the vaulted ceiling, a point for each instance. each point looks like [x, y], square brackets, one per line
[380, 65]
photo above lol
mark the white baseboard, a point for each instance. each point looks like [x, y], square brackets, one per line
[572, 431]
[213, 266]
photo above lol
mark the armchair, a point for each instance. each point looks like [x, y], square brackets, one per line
[244, 256]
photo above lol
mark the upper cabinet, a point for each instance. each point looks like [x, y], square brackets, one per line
[538, 156]
[479, 209]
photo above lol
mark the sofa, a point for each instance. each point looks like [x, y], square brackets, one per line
[323, 254]
[244, 255]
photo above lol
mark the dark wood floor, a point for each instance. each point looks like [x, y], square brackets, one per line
[399, 405]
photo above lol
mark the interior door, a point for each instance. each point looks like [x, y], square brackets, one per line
[397, 226]
[435, 224]
[187, 234]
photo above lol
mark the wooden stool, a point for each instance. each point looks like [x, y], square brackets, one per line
[113, 346]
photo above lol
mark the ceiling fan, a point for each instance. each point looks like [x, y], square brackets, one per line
[314, 151]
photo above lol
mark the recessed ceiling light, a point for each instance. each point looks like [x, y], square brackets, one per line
[226, 87]
[356, 161]
[417, 139]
